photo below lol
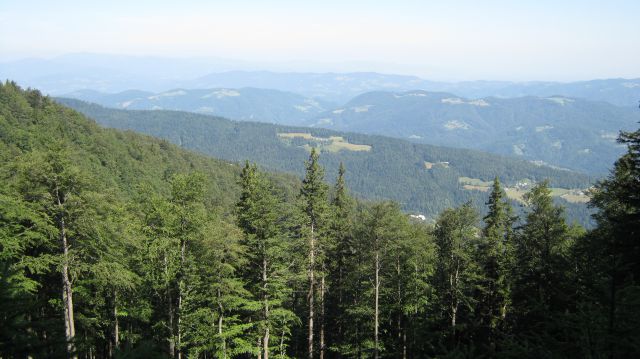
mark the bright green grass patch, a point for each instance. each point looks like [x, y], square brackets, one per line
[330, 144]
[518, 191]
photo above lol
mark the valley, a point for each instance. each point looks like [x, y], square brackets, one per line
[378, 167]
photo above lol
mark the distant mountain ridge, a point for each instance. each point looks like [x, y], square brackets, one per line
[332, 87]
[242, 103]
[116, 73]
[340, 87]
[561, 131]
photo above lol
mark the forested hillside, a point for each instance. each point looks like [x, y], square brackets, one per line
[561, 131]
[114, 244]
[423, 179]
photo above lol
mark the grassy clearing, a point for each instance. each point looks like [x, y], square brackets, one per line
[474, 182]
[430, 165]
[331, 144]
[517, 192]
[475, 188]
[306, 136]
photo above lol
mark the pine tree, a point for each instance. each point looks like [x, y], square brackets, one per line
[171, 224]
[313, 198]
[25, 258]
[496, 260]
[340, 253]
[216, 298]
[259, 215]
[50, 181]
[458, 272]
[614, 251]
[541, 289]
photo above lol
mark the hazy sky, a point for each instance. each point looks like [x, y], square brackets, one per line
[472, 39]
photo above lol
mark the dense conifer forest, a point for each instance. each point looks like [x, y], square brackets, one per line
[392, 168]
[119, 245]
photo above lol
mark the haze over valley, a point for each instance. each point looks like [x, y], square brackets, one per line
[319, 179]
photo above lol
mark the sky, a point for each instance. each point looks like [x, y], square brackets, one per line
[561, 40]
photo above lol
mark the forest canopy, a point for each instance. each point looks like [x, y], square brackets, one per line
[115, 244]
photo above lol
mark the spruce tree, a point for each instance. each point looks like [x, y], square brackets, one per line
[313, 202]
[260, 216]
[542, 273]
[496, 260]
[458, 271]
[614, 250]
[340, 253]
[57, 187]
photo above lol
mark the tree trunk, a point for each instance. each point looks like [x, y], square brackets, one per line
[220, 321]
[399, 319]
[404, 343]
[172, 339]
[183, 248]
[454, 301]
[67, 292]
[612, 309]
[322, 319]
[310, 295]
[377, 303]
[340, 299]
[282, 344]
[265, 341]
[224, 342]
[116, 324]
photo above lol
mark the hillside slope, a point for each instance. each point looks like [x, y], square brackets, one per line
[424, 179]
[565, 132]
[116, 159]
[241, 104]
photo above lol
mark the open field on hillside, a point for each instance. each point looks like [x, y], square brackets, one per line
[517, 191]
[329, 144]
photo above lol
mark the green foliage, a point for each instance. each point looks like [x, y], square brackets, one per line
[392, 170]
[173, 254]
[567, 132]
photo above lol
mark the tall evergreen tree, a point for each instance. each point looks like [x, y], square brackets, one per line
[25, 261]
[341, 252]
[458, 272]
[543, 274]
[259, 215]
[313, 197]
[614, 248]
[496, 260]
[57, 187]
[216, 298]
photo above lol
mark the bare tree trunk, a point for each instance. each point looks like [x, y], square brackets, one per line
[376, 324]
[172, 340]
[454, 301]
[310, 295]
[340, 299]
[116, 324]
[612, 310]
[259, 348]
[183, 248]
[67, 292]
[282, 343]
[404, 343]
[322, 312]
[224, 342]
[265, 341]
[220, 321]
[399, 319]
